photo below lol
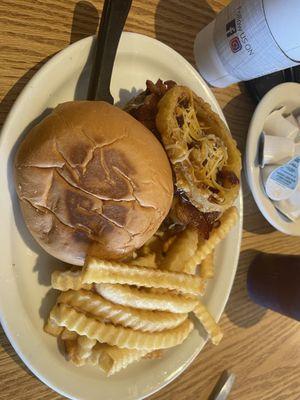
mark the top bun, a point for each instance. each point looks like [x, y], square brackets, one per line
[92, 179]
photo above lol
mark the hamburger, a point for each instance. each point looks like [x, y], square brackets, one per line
[91, 179]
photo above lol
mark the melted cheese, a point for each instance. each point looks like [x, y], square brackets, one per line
[202, 153]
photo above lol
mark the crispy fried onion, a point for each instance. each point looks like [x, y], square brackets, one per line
[201, 154]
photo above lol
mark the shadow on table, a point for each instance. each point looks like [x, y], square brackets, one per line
[16, 89]
[85, 21]
[178, 22]
[242, 311]
[253, 220]
[238, 113]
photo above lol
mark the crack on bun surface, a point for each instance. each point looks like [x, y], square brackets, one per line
[90, 178]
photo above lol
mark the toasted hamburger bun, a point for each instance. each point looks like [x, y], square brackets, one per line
[203, 154]
[92, 179]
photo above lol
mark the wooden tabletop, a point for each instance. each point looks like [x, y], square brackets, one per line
[260, 347]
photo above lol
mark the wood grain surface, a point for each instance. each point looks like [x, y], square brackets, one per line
[260, 347]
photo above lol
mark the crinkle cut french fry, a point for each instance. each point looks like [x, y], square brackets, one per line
[71, 352]
[154, 355]
[70, 347]
[84, 347]
[94, 304]
[181, 250]
[147, 261]
[207, 267]
[70, 343]
[78, 316]
[100, 271]
[68, 335]
[146, 299]
[52, 328]
[121, 358]
[66, 280]
[209, 324]
[168, 242]
[112, 359]
[153, 245]
[191, 268]
[119, 336]
[78, 348]
[96, 352]
[205, 247]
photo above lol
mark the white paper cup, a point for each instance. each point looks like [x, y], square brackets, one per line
[207, 60]
[249, 39]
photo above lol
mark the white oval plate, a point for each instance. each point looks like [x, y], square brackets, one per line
[25, 271]
[288, 95]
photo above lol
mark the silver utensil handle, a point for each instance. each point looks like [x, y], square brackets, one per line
[223, 386]
[113, 19]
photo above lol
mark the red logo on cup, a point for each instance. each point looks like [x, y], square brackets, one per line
[235, 44]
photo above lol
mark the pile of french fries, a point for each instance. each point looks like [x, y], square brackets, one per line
[111, 314]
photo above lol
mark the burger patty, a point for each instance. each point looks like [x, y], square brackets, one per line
[144, 107]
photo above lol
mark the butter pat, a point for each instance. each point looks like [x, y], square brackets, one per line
[298, 121]
[275, 149]
[277, 125]
[292, 119]
[290, 207]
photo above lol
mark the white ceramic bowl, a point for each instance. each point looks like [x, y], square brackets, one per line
[288, 95]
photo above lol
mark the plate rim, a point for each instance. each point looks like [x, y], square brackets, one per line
[6, 128]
